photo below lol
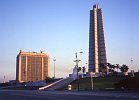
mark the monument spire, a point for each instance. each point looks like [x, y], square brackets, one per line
[97, 50]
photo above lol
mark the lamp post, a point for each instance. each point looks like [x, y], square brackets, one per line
[131, 61]
[4, 80]
[54, 65]
[77, 69]
[132, 71]
[81, 60]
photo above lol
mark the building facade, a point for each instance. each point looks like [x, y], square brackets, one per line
[97, 50]
[32, 66]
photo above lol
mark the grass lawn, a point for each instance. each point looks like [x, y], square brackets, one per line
[98, 83]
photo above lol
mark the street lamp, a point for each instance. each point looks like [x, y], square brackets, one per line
[4, 79]
[77, 69]
[81, 56]
[132, 71]
[131, 61]
[81, 60]
[54, 65]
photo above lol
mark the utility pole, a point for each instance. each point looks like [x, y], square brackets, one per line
[54, 65]
[77, 69]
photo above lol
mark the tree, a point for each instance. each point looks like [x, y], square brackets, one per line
[117, 67]
[102, 68]
[79, 69]
[110, 67]
[124, 68]
[84, 69]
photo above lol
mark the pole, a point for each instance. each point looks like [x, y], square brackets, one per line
[131, 61]
[81, 61]
[91, 80]
[132, 71]
[77, 72]
[54, 65]
[4, 80]
[77, 69]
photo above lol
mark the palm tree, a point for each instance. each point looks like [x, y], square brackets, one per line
[83, 69]
[124, 68]
[102, 68]
[111, 67]
[117, 67]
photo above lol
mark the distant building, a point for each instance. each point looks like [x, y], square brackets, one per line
[32, 66]
[97, 51]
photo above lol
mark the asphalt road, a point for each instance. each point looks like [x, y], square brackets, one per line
[66, 95]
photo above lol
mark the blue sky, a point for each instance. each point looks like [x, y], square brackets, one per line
[61, 28]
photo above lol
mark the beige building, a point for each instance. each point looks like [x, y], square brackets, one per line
[32, 66]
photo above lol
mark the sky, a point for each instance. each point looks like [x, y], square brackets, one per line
[61, 28]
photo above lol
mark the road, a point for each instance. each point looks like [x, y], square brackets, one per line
[66, 95]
